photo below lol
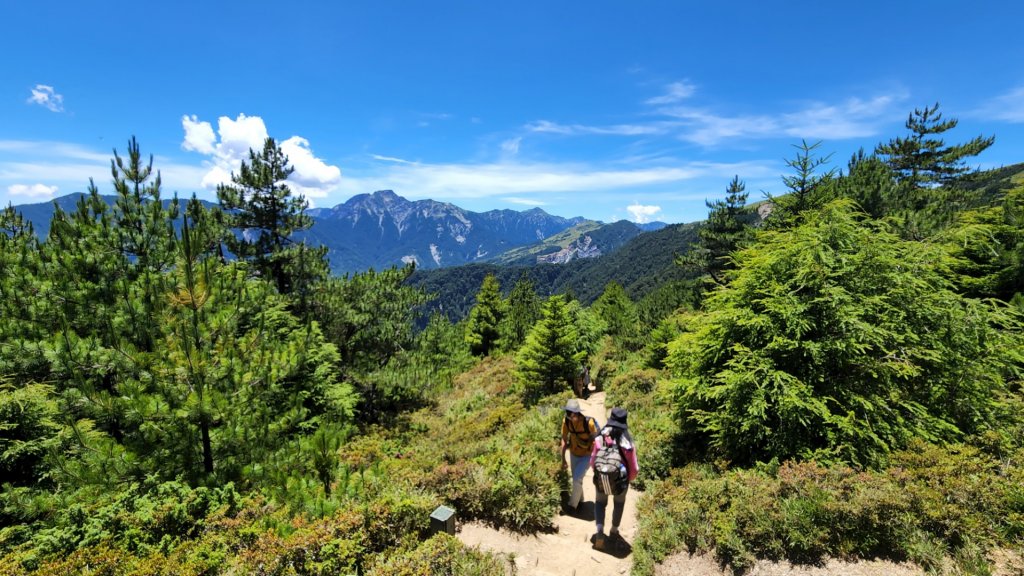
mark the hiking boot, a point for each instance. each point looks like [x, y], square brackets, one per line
[573, 511]
[600, 541]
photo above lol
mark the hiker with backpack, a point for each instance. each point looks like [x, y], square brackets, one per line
[613, 460]
[578, 433]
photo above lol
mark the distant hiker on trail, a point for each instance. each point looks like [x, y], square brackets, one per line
[581, 385]
[578, 434]
[613, 459]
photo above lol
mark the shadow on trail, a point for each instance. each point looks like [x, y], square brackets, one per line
[584, 511]
[617, 547]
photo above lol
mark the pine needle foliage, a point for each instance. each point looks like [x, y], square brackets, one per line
[523, 311]
[837, 341]
[726, 229]
[483, 330]
[550, 359]
[260, 207]
[921, 159]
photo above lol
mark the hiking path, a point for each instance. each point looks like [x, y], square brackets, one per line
[567, 550]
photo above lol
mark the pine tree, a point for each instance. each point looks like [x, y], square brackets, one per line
[261, 209]
[836, 340]
[725, 230]
[808, 189]
[922, 160]
[549, 360]
[987, 245]
[523, 312]
[369, 316]
[617, 312]
[483, 328]
[144, 233]
[144, 227]
[870, 183]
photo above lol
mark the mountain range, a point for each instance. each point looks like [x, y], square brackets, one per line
[383, 229]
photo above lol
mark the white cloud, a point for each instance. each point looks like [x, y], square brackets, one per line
[239, 136]
[546, 126]
[524, 201]
[391, 159]
[642, 214]
[312, 177]
[511, 146]
[674, 92]
[53, 149]
[1008, 107]
[199, 136]
[853, 118]
[46, 97]
[523, 179]
[32, 191]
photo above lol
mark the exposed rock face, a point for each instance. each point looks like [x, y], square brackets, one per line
[583, 247]
[383, 229]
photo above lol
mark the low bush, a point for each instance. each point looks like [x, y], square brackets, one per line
[441, 554]
[934, 505]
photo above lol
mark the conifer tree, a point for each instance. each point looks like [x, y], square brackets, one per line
[726, 229]
[617, 312]
[987, 245]
[523, 312]
[836, 340]
[808, 189]
[261, 209]
[483, 328]
[240, 376]
[369, 316]
[19, 286]
[143, 230]
[921, 160]
[548, 361]
[144, 227]
[870, 183]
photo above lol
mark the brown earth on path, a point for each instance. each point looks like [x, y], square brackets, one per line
[567, 551]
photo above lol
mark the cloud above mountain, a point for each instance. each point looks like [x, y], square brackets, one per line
[229, 145]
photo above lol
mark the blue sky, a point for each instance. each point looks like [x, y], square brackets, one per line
[607, 110]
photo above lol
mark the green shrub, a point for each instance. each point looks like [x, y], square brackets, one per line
[937, 507]
[441, 554]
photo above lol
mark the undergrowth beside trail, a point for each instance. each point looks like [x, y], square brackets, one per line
[944, 509]
[480, 450]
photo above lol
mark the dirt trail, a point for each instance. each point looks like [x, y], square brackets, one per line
[567, 551]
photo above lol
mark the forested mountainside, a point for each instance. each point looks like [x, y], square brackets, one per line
[640, 266]
[383, 230]
[585, 240]
[842, 379]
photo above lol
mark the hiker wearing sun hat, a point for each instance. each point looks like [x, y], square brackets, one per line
[578, 433]
[613, 458]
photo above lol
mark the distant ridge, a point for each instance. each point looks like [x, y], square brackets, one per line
[382, 229]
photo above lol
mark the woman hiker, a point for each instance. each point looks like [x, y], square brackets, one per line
[578, 433]
[613, 459]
